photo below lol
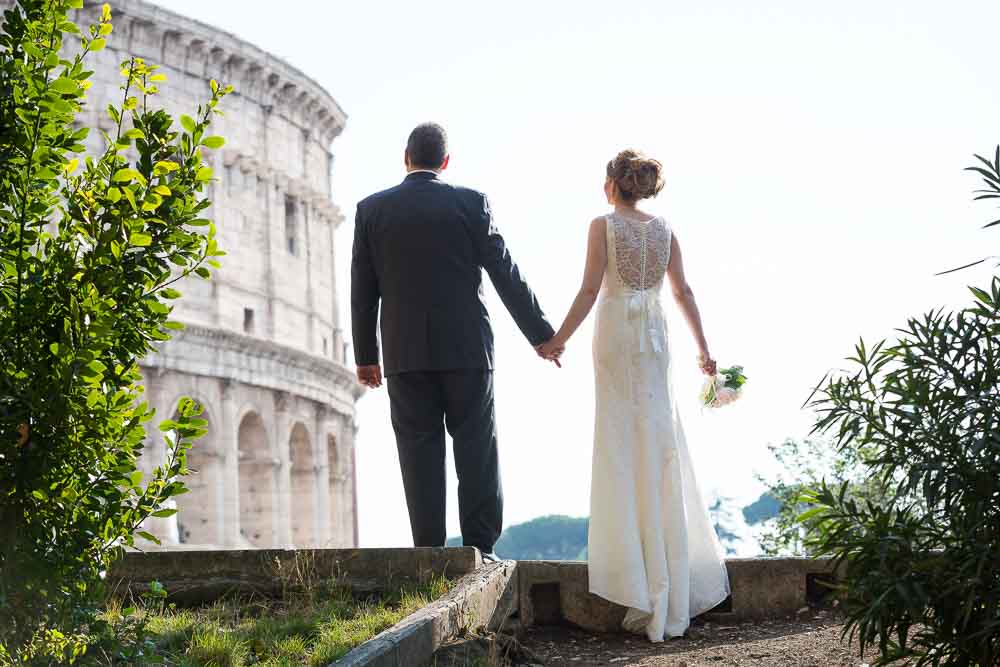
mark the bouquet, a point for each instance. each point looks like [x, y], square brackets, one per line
[723, 388]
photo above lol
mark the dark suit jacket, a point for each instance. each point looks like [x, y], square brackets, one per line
[419, 249]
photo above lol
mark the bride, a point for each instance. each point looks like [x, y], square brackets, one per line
[652, 546]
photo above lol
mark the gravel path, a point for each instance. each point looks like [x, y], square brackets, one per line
[811, 640]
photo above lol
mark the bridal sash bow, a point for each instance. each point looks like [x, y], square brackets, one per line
[643, 307]
[642, 320]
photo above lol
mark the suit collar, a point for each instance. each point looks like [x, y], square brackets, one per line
[422, 176]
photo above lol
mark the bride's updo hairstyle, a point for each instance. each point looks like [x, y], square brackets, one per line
[635, 175]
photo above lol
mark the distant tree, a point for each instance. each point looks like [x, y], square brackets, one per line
[553, 537]
[722, 519]
[805, 464]
[765, 508]
[545, 538]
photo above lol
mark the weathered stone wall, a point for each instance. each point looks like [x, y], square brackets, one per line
[264, 349]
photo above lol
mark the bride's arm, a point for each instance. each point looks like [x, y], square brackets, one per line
[593, 276]
[684, 296]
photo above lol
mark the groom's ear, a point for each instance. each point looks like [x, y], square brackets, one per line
[444, 164]
[406, 157]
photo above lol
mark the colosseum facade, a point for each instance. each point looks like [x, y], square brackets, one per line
[263, 350]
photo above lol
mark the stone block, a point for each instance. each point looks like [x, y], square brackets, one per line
[555, 592]
[469, 607]
[507, 607]
[196, 577]
[378, 652]
[772, 587]
[558, 592]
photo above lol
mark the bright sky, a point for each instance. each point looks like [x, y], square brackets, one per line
[813, 154]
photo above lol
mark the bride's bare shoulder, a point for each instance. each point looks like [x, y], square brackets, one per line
[600, 223]
[598, 231]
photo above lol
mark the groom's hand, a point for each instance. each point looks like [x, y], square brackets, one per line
[370, 376]
[551, 351]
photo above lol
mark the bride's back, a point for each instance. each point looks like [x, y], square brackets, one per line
[638, 253]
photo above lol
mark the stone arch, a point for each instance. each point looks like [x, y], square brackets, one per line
[304, 487]
[258, 482]
[250, 409]
[199, 511]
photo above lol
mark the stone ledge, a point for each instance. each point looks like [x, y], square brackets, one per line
[537, 592]
[215, 352]
[764, 588]
[556, 592]
[195, 577]
[475, 603]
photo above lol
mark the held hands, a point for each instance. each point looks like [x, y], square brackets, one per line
[370, 376]
[551, 350]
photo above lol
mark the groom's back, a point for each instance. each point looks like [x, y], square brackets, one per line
[422, 239]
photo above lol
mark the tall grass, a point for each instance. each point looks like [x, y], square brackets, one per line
[314, 623]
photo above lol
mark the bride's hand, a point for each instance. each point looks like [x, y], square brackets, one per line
[551, 351]
[707, 364]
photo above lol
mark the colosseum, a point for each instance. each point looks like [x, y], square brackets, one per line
[263, 349]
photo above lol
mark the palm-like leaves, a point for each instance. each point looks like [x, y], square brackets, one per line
[921, 573]
[990, 173]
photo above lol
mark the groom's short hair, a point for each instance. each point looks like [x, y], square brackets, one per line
[427, 146]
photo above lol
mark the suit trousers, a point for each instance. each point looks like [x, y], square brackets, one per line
[423, 405]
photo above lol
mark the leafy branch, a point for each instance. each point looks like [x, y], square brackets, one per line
[990, 173]
[90, 252]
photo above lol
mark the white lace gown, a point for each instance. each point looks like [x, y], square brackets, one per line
[652, 546]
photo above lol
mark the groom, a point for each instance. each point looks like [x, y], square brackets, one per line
[418, 250]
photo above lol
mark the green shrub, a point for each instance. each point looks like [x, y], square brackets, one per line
[89, 252]
[922, 568]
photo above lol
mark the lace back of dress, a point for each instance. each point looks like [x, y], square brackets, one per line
[642, 251]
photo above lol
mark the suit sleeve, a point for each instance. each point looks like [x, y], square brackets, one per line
[365, 297]
[520, 301]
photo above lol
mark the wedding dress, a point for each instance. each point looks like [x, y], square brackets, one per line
[652, 547]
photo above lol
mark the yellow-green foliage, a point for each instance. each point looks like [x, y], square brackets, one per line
[91, 248]
[305, 628]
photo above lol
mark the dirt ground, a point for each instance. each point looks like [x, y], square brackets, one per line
[811, 640]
